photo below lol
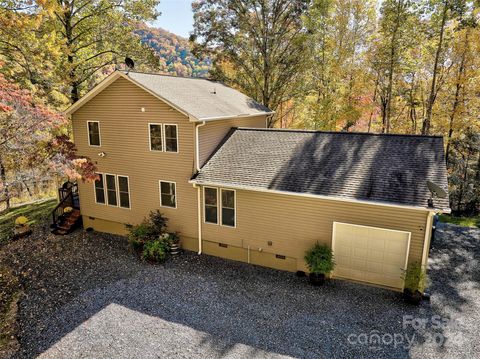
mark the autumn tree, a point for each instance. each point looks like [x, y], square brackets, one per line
[257, 46]
[33, 142]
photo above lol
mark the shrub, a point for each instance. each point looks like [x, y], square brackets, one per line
[415, 277]
[320, 259]
[150, 229]
[155, 251]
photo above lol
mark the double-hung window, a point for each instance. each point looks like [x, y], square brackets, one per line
[210, 196]
[112, 190]
[93, 128]
[168, 195]
[163, 137]
[99, 189]
[228, 207]
[219, 210]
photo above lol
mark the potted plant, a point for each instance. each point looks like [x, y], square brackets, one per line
[319, 262]
[21, 227]
[415, 282]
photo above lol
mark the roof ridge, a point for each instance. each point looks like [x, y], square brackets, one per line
[168, 75]
[335, 132]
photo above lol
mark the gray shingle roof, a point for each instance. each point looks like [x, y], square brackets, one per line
[371, 167]
[201, 98]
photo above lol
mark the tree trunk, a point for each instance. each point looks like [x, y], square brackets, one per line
[433, 89]
[3, 178]
[456, 101]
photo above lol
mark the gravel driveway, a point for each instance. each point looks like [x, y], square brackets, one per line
[87, 297]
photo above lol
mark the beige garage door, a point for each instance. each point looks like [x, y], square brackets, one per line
[369, 254]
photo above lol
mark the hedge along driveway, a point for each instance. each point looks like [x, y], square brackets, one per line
[112, 305]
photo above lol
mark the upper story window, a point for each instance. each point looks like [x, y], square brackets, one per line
[156, 138]
[93, 133]
[163, 137]
[171, 138]
[112, 190]
[168, 194]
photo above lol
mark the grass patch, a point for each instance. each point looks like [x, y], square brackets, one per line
[36, 212]
[461, 221]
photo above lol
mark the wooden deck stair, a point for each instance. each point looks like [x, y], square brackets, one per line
[70, 222]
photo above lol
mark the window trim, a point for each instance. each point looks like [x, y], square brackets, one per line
[160, 194]
[164, 138]
[150, 136]
[118, 192]
[204, 216]
[99, 134]
[234, 208]
[104, 188]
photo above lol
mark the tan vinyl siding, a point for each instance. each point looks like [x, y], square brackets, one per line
[293, 224]
[125, 141]
[213, 132]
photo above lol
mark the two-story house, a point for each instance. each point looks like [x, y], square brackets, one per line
[200, 152]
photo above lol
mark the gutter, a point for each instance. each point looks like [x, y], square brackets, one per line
[318, 196]
[208, 119]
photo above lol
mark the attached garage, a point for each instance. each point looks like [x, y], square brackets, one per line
[369, 254]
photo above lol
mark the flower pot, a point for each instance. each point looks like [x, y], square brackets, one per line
[174, 249]
[412, 297]
[316, 279]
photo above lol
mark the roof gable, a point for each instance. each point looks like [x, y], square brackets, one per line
[356, 166]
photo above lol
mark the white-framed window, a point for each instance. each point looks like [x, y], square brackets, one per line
[171, 137]
[93, 130]
[163, 137]
[228, 203]
[100, 189]
[219, 206]
[156, 136]
[123, 191]
[210, 205]
[168, 194]
[113, 190]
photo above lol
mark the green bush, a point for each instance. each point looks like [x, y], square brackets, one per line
[150, 229]
[415, 277]
[320, 259]
[155, 251]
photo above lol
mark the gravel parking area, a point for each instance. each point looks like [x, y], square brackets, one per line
[86, 296]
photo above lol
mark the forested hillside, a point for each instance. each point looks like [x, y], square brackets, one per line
[173, 51]
[390, 66]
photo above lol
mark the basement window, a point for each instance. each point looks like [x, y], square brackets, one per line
[279, 256]
[223, 245]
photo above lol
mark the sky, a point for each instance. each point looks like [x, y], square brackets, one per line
[176, 17]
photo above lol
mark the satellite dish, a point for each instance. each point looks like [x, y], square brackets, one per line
[436, 190]
[129, 62]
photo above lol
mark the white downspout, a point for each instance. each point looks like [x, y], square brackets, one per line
[199, 205]
[197, 146]
[199, 215]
